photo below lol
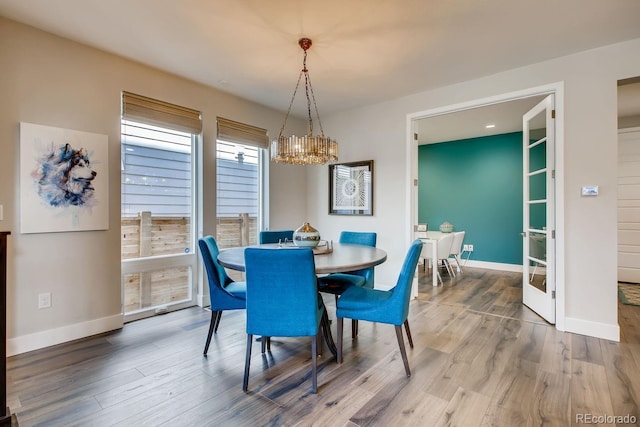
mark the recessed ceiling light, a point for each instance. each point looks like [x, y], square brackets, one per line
[490, 126]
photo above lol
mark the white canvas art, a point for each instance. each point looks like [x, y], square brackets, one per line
[63, 180]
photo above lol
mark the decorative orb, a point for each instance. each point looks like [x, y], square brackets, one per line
[306, 236]
[446, 227]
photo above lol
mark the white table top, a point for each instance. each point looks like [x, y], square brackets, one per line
[430, 235]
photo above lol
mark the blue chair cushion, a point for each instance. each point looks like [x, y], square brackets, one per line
[238, 289]
[374, 305]
[367, 304]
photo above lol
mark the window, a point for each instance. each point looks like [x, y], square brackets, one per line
[158, 209]
[240, 155]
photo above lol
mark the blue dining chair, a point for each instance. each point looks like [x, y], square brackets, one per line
[275, 236]
[224, 293]
[391, 307]
[337, 283]
[282, 299]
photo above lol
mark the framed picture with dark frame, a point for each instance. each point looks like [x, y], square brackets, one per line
[351, 188]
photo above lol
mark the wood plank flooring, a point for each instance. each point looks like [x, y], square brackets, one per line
[480, 359]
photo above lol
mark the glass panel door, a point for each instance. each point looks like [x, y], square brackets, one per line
[538, 211]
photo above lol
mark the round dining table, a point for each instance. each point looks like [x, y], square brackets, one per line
[334, 258]
[329, 258]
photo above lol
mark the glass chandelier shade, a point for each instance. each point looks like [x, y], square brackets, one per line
[306, 149]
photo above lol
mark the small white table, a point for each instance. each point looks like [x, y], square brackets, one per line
[431, 238]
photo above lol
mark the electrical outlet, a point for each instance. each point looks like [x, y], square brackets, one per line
[467, 248]
[470, 248]
[44, 300]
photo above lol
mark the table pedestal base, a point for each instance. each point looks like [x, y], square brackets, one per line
[325, 325]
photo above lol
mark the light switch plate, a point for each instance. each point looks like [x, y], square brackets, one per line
[1, 213]
[590, 190]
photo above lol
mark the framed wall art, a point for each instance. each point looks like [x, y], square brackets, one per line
[351, 188]
[64, 183]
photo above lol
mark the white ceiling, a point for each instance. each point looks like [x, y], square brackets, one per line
[364, 51]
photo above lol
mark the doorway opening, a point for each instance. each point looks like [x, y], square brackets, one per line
[628, 199]
[468, 120]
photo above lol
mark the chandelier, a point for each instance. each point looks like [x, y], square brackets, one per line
[307, 149]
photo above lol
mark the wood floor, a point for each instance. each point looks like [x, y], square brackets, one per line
[480, 359]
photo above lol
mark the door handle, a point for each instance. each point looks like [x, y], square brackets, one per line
[523, 234]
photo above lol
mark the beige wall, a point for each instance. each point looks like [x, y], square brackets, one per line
[52, 81]
[587, 248]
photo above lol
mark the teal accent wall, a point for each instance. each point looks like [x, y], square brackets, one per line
[475, 184]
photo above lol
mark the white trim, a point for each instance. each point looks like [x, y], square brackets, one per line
[605, 331]
[63, 334]
[554, 88]
[203, 300]
[411, 195]
[159, 262]
[516, 268]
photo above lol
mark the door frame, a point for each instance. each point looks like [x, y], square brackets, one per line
[411, 167]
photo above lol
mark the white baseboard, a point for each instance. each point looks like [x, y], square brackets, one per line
[516, 268]
[605, 331]
[63, 334]
[203, 300]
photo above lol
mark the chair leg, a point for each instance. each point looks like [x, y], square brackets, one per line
[215, 329]
[457, 258]
[319, 344]
[247, 362]
[314, 364]
[440, 278]
[339, 327]
[354, 329]
[449, 268]
[265, 344]
[403, 352]
[406, 328]
[212, 326]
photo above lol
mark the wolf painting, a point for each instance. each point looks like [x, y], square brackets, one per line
[64, 177]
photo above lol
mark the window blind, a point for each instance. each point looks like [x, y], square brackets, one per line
[151, 111]
[240, 133]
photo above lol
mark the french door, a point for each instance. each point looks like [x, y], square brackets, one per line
[538, 272]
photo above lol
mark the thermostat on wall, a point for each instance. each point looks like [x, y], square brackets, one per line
[590, 190]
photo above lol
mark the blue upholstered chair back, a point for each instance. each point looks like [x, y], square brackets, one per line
[217, 277]
[401, 294]
[361, 238]
[282, 294]
[274, 236]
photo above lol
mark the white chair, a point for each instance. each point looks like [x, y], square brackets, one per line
[443, 248]
[456, 248]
